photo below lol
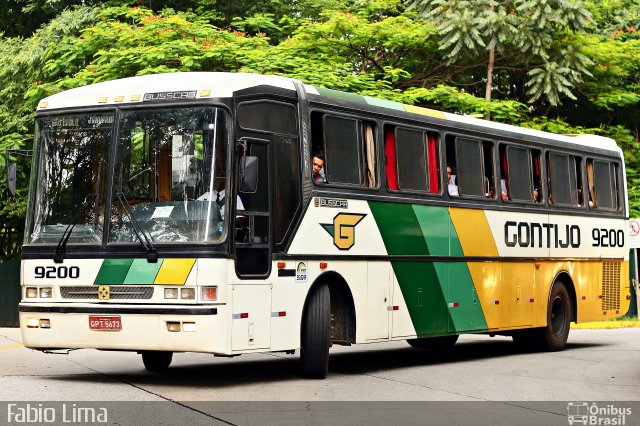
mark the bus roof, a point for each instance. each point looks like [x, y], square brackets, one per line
[202, 85]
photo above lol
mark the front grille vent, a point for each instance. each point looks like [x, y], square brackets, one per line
[115, 292]
[610, 286]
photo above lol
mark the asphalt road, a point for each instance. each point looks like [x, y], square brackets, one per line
[481, 380]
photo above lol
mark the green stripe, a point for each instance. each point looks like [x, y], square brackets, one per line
[418, 281]
[113, 271]
[335, 94]
[429, 287]
[384, 103]
[142, 272]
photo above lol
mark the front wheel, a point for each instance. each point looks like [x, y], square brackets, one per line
[156, 360]
[314, 353]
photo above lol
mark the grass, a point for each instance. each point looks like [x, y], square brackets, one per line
[622, 322]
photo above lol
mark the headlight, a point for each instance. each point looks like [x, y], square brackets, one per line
[46, 292]
[170, 293]
[187, 293]
[31, 292]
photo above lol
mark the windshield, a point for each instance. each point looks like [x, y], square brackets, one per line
[163, 178]
[69, 185]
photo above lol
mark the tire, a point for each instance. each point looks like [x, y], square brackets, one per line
[552, 337]
[440, 342]
[314, 351]
[156, 360]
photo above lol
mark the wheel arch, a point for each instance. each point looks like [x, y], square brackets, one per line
[343, 313]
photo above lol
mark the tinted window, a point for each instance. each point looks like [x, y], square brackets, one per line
[562, 179]
[412, 160]
[273, 117]
[470, 176]
[287, 180]
[343, 161]
[605, 185]
[520, 187]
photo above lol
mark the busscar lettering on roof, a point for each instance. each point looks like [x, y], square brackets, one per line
[170, 96]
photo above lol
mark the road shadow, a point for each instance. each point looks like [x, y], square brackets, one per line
[224, 372]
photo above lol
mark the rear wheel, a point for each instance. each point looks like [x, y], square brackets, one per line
[156, 360]
[314, 353]
[440, 342]
[554, 336]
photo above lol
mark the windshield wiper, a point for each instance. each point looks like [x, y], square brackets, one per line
[58, 256]
[152, 252]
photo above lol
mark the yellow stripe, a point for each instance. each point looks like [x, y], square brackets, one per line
[473, 232]
[424, 111]
[18, 345]
[174, 271]
[476, 239]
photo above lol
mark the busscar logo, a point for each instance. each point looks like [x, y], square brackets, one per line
[103, 292]
[343, 229]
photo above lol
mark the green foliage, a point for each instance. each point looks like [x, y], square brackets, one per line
[549, 74]
[533, 36]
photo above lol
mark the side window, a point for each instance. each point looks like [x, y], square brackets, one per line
[411, 160]
[411, 152]
[348, 147]
[563, 184]
[603, 174]
[469, 167]
[516, 177]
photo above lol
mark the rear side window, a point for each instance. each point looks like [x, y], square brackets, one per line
[603, 174]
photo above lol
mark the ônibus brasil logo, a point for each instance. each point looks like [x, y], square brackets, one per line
[343, 229]
[584, 413]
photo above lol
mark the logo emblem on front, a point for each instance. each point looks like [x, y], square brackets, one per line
[343, 229]
[103, 292]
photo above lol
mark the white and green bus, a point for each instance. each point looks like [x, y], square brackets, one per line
[179, 213]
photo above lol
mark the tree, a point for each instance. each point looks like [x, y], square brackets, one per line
[532, 36]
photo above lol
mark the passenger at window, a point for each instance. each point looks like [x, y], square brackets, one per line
[318, 167]
[536, 195]
[451, 183]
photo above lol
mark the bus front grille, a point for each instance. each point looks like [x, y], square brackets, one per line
[610, 286]
[115, 292]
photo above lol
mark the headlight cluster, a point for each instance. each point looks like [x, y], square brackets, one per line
[207, 294]
[35, 292]
[188, 293]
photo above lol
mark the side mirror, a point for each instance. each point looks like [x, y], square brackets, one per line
[248, 174]
[11, 178]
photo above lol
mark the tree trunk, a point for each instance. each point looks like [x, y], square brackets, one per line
[487, 93]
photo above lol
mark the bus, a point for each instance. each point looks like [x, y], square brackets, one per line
[179, 212]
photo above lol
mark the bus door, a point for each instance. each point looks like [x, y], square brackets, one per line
[252, 235]
[251, 293]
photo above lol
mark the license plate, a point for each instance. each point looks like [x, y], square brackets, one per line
[105, 323]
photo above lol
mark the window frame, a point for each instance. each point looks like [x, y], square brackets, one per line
[360, 129]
